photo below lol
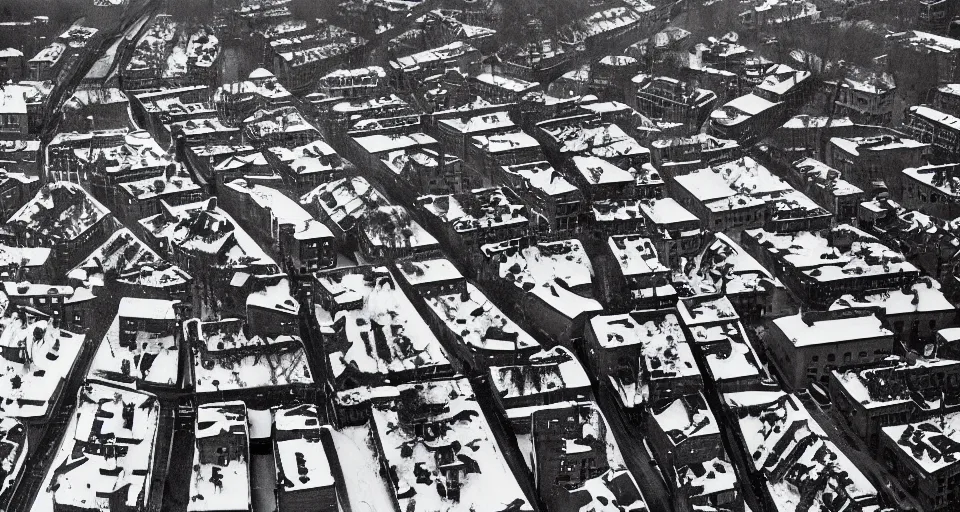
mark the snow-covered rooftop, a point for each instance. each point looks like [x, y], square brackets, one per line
[132, 261]
[60, 210]
[301, 461]
[550, 271]
[740, 109]
[258, 86]
[745, 183]
[215, 486]
[707, 310]
[615, 488]
[587, 137]
[922, 297]
[463, 436]
[40, 358]
[152, 50]
[152, 188]
[543, 177]
[934, 444]
[225, 358]
[635, 255]
[505, 82]
[777, 429]
[685, 418]
[597, 171]
[665, 353]
[706, 478]
[488, 208]
[50, 54]
[314, 157]
[478, 323]
[544, 372]
[808, 122]
[369, 305]
[392, 227]
[479, 123]
[666, 212]
[138, 151]
[591, 433]
[283, 120]
[723, 265]
[881, 386]
[941, 177]
[843, 253]
[283, 210]
[603, 22]
[380, 143]
[656, 335]
[114, 440]
[826, 177]
[450, 51]
[428, 271]
[933, 42]
[803, 332]
[25, 257]
[13, 100]
[780, 79]
[514, 140]
[202, 126]
[344, 201]
[876, 144]
[139, 355]
[202, 228]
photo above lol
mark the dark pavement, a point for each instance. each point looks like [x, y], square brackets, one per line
[630, 440]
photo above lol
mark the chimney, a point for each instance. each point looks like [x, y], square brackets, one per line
[127, 414]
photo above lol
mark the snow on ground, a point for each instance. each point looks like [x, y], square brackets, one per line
[361, 470]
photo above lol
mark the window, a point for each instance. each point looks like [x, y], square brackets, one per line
[863, 354]
[815, 359]
[831, 357]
